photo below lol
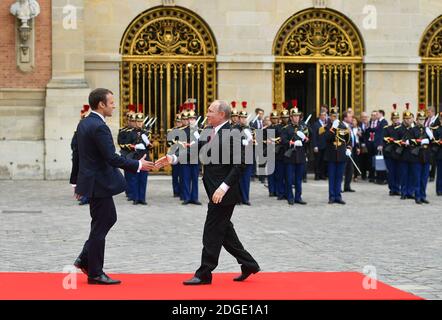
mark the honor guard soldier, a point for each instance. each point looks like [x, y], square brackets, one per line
[141, 147]
[273, 178]
[391, 158]
[421, 152]
[234, 116]
[437, 150]
[176, 168]
[338, 149]
[246, 176]
[190, 170]
[404, 136]
[279, 153]
[294, 139]
[124, 142]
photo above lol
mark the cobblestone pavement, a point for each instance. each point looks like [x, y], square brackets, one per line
[42, 228]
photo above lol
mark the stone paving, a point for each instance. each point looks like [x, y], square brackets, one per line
[42, 228]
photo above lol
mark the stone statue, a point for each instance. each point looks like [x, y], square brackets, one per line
[25, 10]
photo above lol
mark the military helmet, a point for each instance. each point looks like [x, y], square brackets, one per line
[131, 110]
[284, 111]
[234, 111]
[140, 114]
[421, 114]
[274, 114]
[407, 113]
[243, 113]
[395, 114]
[84, 111]
[295, 111]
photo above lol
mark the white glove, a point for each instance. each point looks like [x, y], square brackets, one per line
[425, 141]
[316, 149]
[145, 139]
[248, 134]
[335, 124]
[301, 135]
[140, 146]
[429, 133]
[407, 143]
[348, 152]
[245, 142]
[298, 143]
[196, 135]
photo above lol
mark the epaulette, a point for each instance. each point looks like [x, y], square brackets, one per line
[386, 126]
[397, 127]
[182, 128]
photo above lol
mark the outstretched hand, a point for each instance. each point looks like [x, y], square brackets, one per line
[146, 165]
[163, 161]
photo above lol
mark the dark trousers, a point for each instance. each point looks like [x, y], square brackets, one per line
[393, 175]
[407, 177]
[335, 175]
[271, 178]
[294, 174]
[104, 216]
[244, 182]
[131, 183]
[140, 186]
[349, 170]
[280, 178]
[439, 176]
[365, 161]
[219, 232]
[176, 179]
[320, 165]
[422, 173]
[189, 182]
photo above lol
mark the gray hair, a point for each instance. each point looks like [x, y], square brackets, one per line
[223, 106]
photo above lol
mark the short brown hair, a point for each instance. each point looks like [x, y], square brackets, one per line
[98, 95]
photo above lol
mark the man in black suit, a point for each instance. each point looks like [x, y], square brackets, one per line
[221, 181]
[96, 176]
[319, 145]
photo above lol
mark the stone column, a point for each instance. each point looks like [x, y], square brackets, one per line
[68, 90]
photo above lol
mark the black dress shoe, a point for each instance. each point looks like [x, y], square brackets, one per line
[426, 201]
[272, 195]
[81, 265]
[195, 281]
[418, 201]
[403, 197]
[184, 203]
[144, 203]
[176, 195]
[291, 202]
[282, 198]
[340, 201]
[247, 203]
[103, 279]
[439, 194]
[410, 197]
[196, 202]
[245, 274]
[301, 202]
[349, 190]
[135, 202]
[331, 201]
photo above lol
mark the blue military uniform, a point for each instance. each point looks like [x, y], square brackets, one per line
[124, 142]
[390, 156]
[176, 188]
[247, 173]
[294, 139]
[404, 135]
[338, 139]
[273, 177]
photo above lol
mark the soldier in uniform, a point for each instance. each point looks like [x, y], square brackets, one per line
[190, 170]
[123, 140]
[421, 139]
[273, 178]
[279, 156]
[141, 144]
[234, 116]
[404, 135]
[319, 145]
[176, 168]
[294, 138]
[338, 149]
[390, 156]
[246, 176]
[437, 150]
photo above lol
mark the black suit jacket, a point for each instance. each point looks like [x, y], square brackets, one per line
[229, 173]
[95, 164]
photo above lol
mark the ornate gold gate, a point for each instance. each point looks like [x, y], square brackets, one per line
[328, 39]
[430, 84]
[168, 57]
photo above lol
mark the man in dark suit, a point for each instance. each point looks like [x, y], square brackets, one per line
[97, 177]
[319, 145]
[221, 181]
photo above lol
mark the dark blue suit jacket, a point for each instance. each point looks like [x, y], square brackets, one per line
[379, 133]
[318, 140]
[96, 161]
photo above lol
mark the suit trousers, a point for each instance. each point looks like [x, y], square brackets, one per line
[104, 216]
[219, 232]
[349, 170]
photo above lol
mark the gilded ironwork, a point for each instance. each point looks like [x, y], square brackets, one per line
[328, 39]
[168, 56]
[430, 70]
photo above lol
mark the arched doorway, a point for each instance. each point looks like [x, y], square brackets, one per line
[430, 84]
[168, 56]
[318, 59]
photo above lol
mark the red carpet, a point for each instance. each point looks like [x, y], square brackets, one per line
[262, 286]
